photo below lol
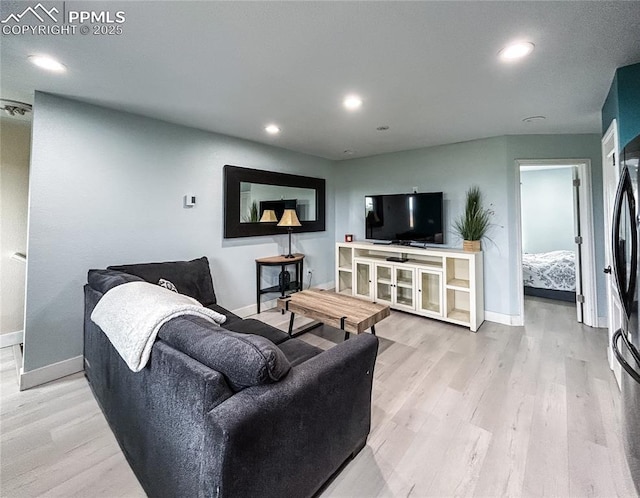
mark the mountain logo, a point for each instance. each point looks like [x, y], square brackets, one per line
[39, 11]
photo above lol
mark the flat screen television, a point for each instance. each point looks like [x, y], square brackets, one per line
[405, 217]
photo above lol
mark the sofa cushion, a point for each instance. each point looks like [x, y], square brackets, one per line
[104, 280]
[256, 327]
[297, 351]
[245, 360]
[192, 278]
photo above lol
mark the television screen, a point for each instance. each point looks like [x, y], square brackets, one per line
[404, 217]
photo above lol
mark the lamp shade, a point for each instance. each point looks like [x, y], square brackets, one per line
[289, 219]
[268, 216]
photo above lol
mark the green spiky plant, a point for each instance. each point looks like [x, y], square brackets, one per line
[474, 223]
[252, 217]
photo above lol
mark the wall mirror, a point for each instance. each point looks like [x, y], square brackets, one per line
[250, 192]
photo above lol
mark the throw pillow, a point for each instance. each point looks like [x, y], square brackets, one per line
[167, 284]
[244, 359]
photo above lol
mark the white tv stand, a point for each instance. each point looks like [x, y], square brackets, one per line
[445, 284]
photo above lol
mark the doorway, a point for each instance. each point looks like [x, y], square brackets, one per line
[555, 234]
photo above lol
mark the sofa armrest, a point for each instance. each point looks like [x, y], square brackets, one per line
[288, 438]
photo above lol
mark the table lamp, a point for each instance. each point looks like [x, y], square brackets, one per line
[268, 216]
[289, 219]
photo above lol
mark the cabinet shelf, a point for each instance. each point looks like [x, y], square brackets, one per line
[458, 283]
[440, 283]
[404, 301]
[431, 307]
[431, 265]
[461, 316]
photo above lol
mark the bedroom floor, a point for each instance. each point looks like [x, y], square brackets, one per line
[509, 411]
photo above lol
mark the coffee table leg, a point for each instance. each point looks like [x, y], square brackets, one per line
[346, 334]
[291, 323]
[373, 329]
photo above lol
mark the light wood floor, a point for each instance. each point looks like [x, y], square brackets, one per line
[509, 411]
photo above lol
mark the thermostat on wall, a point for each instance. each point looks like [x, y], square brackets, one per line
[189, 200]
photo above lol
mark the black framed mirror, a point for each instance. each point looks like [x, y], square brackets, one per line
[248, 193]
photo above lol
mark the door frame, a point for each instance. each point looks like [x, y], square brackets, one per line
[610, 145]
[590, 305]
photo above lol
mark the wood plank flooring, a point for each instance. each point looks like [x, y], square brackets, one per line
[509, 411]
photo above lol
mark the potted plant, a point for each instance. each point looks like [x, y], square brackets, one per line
[473, 223]
[252, 217]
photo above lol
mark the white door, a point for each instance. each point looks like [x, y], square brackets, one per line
[404, 286]
[383, 285]
[429, 299]
[610, 176]
[362, 279]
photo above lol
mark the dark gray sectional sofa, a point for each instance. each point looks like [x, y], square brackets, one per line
[238, 410]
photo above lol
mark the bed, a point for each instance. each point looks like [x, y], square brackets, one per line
[550, 274]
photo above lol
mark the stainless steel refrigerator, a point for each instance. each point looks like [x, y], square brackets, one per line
[626, 341]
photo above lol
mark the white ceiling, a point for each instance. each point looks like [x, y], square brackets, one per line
[428, 70]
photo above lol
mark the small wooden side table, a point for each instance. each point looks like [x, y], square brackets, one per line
[282, 262]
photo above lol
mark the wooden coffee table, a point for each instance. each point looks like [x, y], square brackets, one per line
[347, 313]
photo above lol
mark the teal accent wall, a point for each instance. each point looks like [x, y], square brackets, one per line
[451, 169]
[623, 104]
[629, 103]
[610, 107]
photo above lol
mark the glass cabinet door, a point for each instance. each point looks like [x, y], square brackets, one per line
[362, 277]
[430, 292]
[384, 283]
[405, 287]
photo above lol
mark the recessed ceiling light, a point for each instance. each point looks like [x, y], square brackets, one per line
[533, 119]
[47, 63]
[382, 128]
[352, 102]
[272, 129]
[516, 51]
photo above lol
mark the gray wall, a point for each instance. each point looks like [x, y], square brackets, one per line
[488, 163]
[547, 210]
[107, 188]
[15, 140]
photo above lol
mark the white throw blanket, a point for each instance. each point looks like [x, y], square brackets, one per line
[131, 315]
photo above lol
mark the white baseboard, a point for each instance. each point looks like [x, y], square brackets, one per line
[511, 320]
[252, 309]
[51, 372]
[11, 339]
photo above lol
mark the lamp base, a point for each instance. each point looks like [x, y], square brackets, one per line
[289, 256]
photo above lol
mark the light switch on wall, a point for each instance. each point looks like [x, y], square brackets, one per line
[189, 200]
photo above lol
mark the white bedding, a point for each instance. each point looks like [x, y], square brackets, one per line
[555, 270]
